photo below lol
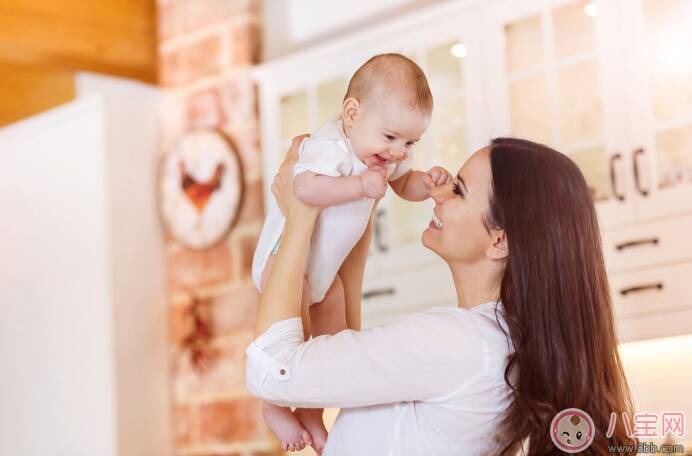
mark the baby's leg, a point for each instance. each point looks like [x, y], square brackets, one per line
[326, 317]
[329, 315]
[281, 420]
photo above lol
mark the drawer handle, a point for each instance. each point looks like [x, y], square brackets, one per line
[378, 292]
[378, 231]
[635, 170]
[640, 288]
[625, 245]
[613, 181]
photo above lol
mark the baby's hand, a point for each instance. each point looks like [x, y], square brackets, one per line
[374, 182]
[435, 176]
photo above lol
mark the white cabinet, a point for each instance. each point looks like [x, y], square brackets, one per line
[608, 83]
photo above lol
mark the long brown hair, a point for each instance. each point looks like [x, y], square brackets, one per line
[556, 300]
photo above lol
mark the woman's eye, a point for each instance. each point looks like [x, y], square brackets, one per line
[457, 189]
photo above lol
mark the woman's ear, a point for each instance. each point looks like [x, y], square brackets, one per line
[350, 111]
[499, 249]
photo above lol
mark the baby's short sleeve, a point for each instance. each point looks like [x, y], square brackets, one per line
[402, 168]
[328, 157]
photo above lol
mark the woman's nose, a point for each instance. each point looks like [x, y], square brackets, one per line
[439, 192]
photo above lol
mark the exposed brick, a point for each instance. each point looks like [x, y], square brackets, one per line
[277, 452]
[173, 119]
[246, 43]
[247, 142]
[191, 62]
[252, 209]
[239, 101]
[180, 323]
[225, 375]
[235, 311]
[185, 422]
[181, 16]
[204, 109]
[243, 248]
[189, 269]
[231, 421]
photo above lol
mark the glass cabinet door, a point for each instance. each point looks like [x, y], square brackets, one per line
[558, 92]
[443, 144]
[662, 92]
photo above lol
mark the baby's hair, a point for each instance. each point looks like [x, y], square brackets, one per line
[395, 73]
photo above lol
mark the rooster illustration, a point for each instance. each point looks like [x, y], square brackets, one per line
[199, 192]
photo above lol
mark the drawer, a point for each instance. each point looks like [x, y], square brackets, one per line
[667, 241]
[408, 291]
[652, 291]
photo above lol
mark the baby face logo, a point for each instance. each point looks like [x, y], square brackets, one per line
[572, 430]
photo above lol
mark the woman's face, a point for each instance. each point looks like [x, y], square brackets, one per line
[460, 207]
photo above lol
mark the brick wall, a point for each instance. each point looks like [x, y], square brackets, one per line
[206, 48]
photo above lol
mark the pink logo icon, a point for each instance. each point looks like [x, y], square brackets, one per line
[572, 430]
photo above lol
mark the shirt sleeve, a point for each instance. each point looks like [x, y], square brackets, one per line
[402, 168]
[418, 357]
[327, 157]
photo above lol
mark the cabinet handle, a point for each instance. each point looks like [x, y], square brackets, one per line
[628, 244]
[377, 231]
[378, 292]
[640, 288]
[635, 167]
[613, 180]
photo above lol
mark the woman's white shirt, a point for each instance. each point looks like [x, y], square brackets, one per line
[428, 383]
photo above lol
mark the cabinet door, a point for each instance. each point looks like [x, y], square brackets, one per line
[451, 60]
[661, 99]
[551, 68]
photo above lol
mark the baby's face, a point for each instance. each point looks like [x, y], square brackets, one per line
[384, 132]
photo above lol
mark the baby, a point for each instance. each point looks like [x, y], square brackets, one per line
[345, 167]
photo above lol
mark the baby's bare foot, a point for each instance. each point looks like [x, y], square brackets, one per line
[286, 427]
[311, 419]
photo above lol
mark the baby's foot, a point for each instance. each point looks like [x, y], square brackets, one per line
[311, 419]
[286, 427]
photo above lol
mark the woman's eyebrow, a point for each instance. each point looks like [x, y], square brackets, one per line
[461, 179]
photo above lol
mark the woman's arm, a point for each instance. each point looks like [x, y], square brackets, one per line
[282, 294]
[423, 356]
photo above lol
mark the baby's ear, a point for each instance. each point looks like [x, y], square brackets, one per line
[350, 111]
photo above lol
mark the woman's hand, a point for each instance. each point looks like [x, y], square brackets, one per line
[282, 188]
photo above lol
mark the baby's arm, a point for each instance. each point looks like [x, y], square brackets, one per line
[319, 190]
[416, 185]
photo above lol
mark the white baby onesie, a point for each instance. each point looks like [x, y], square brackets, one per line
[327, 152]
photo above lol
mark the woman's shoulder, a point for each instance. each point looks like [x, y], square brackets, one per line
[484, 322]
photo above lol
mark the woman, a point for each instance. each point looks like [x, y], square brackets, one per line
[533, 332]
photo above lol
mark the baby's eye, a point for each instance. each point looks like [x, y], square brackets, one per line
[410, 144]
[389, 137]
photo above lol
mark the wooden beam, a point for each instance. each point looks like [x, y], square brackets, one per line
[26, 91]
[107, 36]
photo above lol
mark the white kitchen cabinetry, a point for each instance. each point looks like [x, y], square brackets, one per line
[608, 83]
